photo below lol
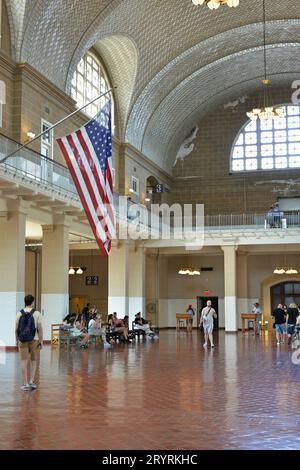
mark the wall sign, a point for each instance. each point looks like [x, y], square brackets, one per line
[91, 280]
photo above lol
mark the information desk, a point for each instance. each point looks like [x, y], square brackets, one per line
[247, 316]
[180, 317]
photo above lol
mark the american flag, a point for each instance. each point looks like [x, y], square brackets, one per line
[88, 154]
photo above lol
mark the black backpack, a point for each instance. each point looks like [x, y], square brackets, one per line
[26, 327]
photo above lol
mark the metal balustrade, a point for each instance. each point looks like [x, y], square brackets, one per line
[42, 169]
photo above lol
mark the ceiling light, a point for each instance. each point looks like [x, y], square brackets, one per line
[189, 271]
[265, 111]
[291, 271]
[214, 4]
[147, 199]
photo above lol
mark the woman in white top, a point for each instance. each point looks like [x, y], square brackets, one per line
[207, 318]
[257, 310]
[96, 329]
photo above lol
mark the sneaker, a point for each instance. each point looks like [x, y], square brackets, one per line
[212, 345]
[25, 387]
[106, 345]
[282, 342]
[32, 385]
[205, 345]
[278, 343]
[155, 337]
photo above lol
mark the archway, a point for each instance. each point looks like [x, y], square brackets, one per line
[285, 293]
[266, 286]
[152, 190]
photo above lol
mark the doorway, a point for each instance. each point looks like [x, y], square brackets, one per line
[285, 293]
[201, 303]
[76, 304]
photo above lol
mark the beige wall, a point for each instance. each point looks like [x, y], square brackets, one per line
[95, 265]
[204, 176]
[30, 282]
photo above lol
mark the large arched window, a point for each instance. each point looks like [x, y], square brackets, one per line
[268, 145]
[89, 81]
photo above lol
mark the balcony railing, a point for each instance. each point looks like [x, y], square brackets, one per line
[42, 169]
[35, 166]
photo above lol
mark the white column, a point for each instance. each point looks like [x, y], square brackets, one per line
[230, 288]
[137, 265]
[55, 273]
[118, 300]
[12, 267]
[242, 286]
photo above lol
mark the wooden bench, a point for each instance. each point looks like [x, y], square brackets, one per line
[55, 333]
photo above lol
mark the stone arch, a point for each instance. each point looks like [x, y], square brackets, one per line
[119, 56]
[266, 285]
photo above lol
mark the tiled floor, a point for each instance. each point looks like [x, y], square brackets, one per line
[173, 394]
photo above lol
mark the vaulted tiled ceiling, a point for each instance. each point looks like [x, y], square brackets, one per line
[178, 60]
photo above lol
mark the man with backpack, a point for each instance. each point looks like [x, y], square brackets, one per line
[29, 337]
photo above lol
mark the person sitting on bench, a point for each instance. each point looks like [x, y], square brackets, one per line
[113, 321]
[79, 330]
[142, 324]
[96, 329]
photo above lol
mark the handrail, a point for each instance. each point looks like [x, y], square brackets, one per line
[32, 150]
[42, 169]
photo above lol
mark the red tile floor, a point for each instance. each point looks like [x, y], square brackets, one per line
[172, 394]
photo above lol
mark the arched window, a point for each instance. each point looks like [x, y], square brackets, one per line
[268, 145]
[89, 81]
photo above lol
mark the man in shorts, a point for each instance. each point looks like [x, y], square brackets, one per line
[29, 349]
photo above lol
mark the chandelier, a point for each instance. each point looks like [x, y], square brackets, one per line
[189, 272]
[214, 4]
[265, 111]
[285, 270]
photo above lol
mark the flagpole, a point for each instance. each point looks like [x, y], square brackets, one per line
[54, 125]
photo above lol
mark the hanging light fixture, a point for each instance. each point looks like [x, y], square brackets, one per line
[214, 4]
[189, 272]
[265, 111]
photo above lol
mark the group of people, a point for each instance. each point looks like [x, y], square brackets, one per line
[29, 333]
[285, 321]
[274, 216]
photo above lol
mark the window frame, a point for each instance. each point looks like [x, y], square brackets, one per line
[92, 109]
[43, 143]
[259, 144]
[135, 182]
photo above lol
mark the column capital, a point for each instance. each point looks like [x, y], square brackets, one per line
[227, 247]
[18, 205]
[61, 219]
[47, 228]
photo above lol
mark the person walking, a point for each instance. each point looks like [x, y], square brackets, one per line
[29, 337]
[207, 318]
[191, 312]
[279, 317]
[257, 310]
[291, 320]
